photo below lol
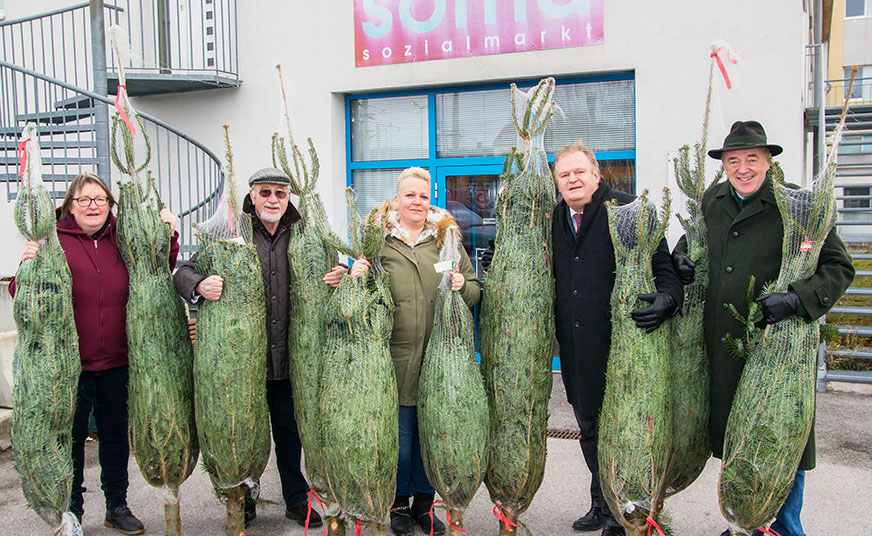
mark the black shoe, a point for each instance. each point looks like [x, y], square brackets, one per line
[402, 523]
[250, 511]
[423, 521]
[299, 512]
[122, 520]
[614, 529]
[592, 520]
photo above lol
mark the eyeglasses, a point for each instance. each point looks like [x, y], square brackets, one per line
[266, 193]
[85, 202]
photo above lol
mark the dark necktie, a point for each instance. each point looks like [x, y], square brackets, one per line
[577, 218]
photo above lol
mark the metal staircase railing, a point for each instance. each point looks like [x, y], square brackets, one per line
[854, 203]
[188, 174]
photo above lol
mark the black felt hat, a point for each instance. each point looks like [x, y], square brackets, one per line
[745, 135]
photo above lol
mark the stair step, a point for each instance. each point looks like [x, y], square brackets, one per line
[54, 194]
[11, 145]
[854, 164]
[79, 101]
[46, 177]
[850, 310]
[856, 353]
[860, 331]
[49, 129]
[57, 116]
[55, 161]
[858, 291]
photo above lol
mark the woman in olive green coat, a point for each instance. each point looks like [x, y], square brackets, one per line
[415, 231]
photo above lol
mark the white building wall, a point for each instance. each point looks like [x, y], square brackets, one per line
[664, 43]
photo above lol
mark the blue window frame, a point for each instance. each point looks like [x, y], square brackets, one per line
[623, 158]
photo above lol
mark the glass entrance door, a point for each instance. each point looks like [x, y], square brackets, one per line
[470, 194]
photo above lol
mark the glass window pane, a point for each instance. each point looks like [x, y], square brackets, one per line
[474, 123]
[372, 186]
[855, 8]
[471, 199]
[602, 114]
[392, 128]
[619, 174]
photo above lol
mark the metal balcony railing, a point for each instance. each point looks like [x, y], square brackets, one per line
[188, 174]
[176, 45]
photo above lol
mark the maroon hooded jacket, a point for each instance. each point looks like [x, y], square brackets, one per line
[100, 290]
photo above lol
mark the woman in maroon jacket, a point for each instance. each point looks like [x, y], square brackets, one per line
[86, 230]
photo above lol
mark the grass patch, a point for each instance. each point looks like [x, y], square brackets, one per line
[852, 341]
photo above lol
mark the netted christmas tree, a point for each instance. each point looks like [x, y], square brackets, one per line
[635, 425]
[517, 316]
[160, 403]
[310, 257]
[689, 376]
[452, 403]
[230, 356]
[46, 363]
[773, 408]
[358, 392]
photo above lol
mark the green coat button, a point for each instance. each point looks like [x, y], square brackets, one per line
[725, 306]
[723, 340]
[735, 234]
[729, 269]
[826, 299]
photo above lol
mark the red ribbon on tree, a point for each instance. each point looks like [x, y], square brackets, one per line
[447, 517]
[769, 531]
[498, 513]
[652, 523]
[312, 495]
[121, 111]
[357, 527]
[22, 158]
[716, 56]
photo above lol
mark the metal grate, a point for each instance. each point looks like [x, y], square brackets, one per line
[563, 434]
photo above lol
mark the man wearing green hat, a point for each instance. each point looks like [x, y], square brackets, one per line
[745, 233]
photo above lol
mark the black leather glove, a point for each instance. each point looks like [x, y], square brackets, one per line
[487, 256]
[779, 305]
[684, 267]
[649, 318]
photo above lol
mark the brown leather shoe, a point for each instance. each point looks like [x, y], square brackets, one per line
[299, 512]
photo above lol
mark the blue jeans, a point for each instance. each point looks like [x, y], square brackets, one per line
[787, 521]
[411, 477]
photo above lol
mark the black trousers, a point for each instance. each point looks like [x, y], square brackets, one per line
[280, 400]
[106, 392]
[589, 429]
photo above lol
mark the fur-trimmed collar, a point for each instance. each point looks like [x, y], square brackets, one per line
[438, 222]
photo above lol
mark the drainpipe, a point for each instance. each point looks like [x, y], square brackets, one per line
[819, 92]
[101, 113]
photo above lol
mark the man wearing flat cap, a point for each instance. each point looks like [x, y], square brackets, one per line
[745, 233]
[273, 216]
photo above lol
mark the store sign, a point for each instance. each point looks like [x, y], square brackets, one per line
[402, 31]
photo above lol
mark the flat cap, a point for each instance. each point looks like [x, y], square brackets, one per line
[269, 175]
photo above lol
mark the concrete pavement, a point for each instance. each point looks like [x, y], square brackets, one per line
[838, 492]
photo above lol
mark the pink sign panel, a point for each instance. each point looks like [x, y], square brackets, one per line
[402, 31]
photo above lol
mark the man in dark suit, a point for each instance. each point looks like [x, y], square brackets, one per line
[745, 232]
[584, 275]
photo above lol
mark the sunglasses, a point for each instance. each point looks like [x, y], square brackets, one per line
[266, 193]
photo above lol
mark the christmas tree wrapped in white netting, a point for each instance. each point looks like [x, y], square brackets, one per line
[452, 403]
[46, 363]
[635, 426]
[690, 367]
[773, 408]
[310, 256]
[160, 404]
[229, 356]
[517, 317]
[358, 394]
